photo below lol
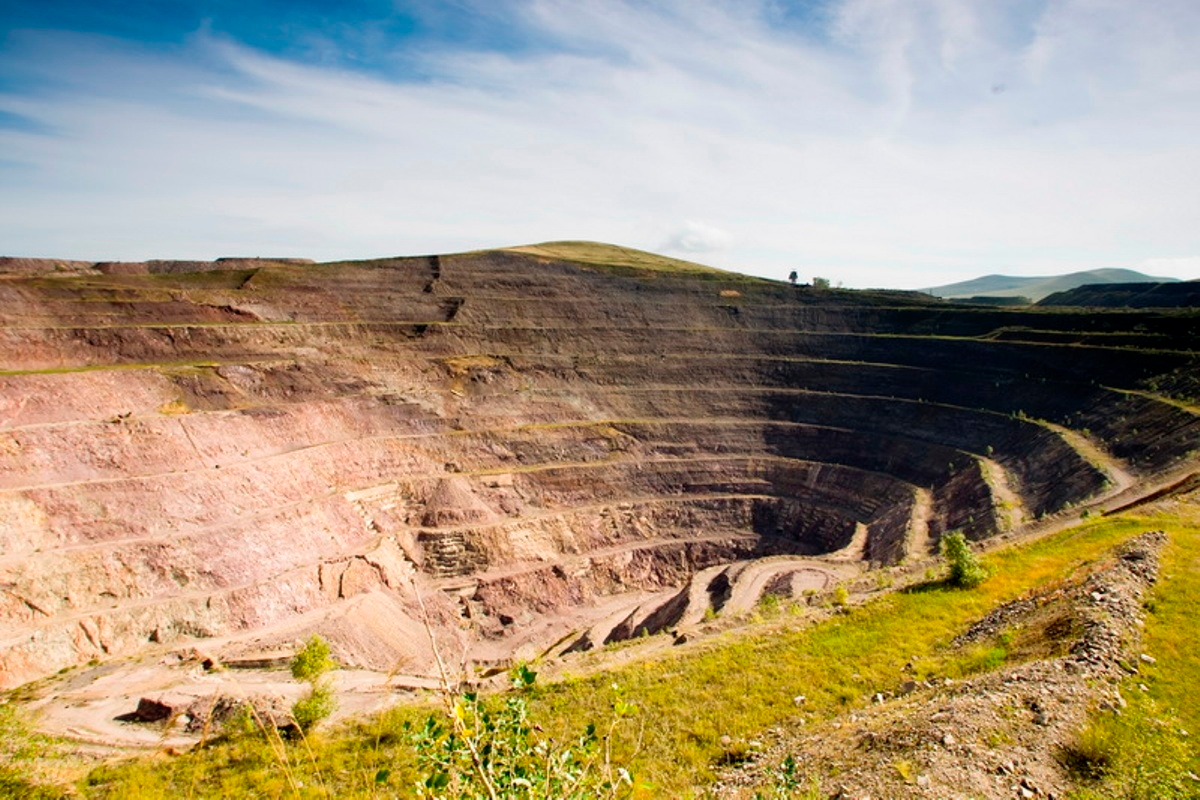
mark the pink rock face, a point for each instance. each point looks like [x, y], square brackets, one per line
[255, 449]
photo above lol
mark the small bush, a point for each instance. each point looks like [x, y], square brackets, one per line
[481, 748]
[788, 784]
[313, 660]
[966, 570]
[770, 604]
[1091, 755]
[310, 664]
[318, 704]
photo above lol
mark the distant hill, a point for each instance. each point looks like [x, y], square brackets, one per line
[1036, 288]
[1128, 295]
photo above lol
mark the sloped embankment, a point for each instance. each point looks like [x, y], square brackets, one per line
[250, 450]
[1003, 734]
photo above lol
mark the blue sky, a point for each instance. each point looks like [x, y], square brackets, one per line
[895, 143]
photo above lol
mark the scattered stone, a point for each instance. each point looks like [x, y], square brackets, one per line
[1148, 659]
[152, 710]
[935, 731]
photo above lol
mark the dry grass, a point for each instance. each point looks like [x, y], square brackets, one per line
[608, 255]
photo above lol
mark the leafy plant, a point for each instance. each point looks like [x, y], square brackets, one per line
[786, 782]
[493, 750]
[313, 660]
[311, 663]
[315, 706]
[966, 570]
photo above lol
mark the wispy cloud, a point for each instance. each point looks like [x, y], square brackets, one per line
[877, 142]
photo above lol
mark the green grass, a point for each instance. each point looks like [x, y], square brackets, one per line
[153, 282]
[1143, 753]
[743, 686]
[737, 685]
[626, 260]
[27, 759]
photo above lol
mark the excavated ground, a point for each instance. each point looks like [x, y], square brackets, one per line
[995, 737]
[211, 461]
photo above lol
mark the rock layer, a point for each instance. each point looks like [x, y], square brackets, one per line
[253, 449]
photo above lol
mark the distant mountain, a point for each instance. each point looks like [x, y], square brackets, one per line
[1035, 288]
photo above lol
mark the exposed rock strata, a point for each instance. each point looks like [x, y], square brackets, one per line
[255, 448]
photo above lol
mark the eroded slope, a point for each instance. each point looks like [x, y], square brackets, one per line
[541, 451]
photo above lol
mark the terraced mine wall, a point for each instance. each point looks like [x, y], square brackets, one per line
[254, 449]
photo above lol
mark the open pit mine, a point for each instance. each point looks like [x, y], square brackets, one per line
[526, 452]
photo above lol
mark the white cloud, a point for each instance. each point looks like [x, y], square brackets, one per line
[876, 152]
[696, 237]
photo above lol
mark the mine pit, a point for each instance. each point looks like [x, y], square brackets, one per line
[532, 458]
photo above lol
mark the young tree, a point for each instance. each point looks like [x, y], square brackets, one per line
[965, 568]
[310, 664]
[793, 277]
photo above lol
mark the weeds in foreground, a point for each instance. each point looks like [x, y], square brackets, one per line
[1148, 751]
[494, 750]
[1139, 755]
[787, 783]
[21, 750]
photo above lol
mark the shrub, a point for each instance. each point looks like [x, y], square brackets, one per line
[965, 568]
[318, 704]
[770, 604]
[310, 664]
[482, 749]
[313, 660]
